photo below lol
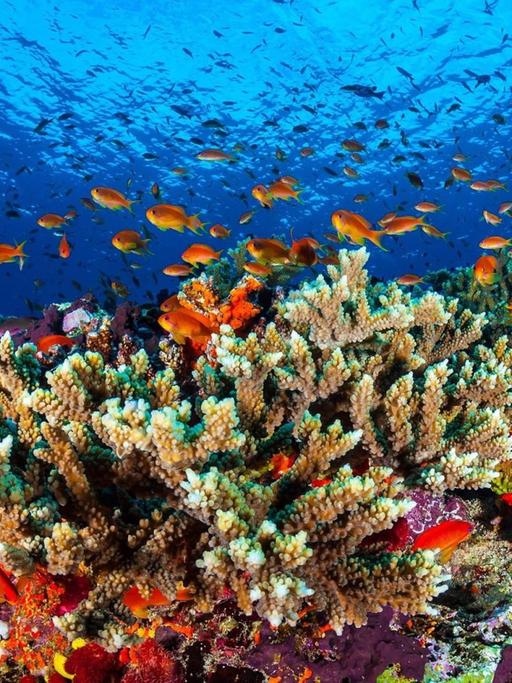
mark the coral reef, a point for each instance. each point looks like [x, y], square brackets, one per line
[272, 472]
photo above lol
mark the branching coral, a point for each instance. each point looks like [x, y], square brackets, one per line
[124, 474]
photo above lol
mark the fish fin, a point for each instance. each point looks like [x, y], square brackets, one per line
[218, 253]
[446, 553]
[130, 207]
[297, 196]
[375, 238]
[493, 279]
[178, 338]
[422, 218]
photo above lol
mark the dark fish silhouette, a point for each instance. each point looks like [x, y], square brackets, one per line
[364, 90]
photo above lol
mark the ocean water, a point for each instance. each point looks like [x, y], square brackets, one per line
[118, 94]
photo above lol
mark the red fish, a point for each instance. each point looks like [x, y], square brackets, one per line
[7, 588]
[139, 605]
[45, 343]
[507, 498]
[445, 536]
[281, 463]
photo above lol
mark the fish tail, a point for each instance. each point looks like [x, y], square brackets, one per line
[218, 253]
[376, 237]
[297, 196]
[130, 203]
[21, 254]
[195, 225]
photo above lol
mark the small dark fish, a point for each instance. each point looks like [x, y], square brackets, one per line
[22, 169]
[212, 123]
[180, 110]
[364, 90]
[66, 115]
[415, 180]
[187, 52]
[197, 141]
[217, 34]
[453, 107]
[448, 182]
[150, 156]
[330, 171]
[300, 128]
[42, 125]
[361, 125]
[498, 118]
[278, 29]
[12, 213]
[146, 32]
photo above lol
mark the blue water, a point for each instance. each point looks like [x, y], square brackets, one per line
[142, 78]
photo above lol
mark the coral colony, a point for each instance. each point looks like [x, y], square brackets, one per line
[167, 507]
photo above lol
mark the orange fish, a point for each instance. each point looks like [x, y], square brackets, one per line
[70, 215]
[172, 303]
[182, 325]
[64, 248]
[495, 242]
[505, 207]
[219, 231]
[427, 207]
[246, 217]
[485, 271]
[179, 170]
[184, 594]
[355, 228]
[432, 231]
[258, 269]
[262, 194]
[409, 279]
[200, 253]
[281, 463]
[177, 270]
[111, 199]
[172, 217]
[289, 180]
[44, 344]
[8, 253]
[350, 172]
[129, 241]
[506, 498]
[155, 191]
[352, 146]
[139, 605]
[491, 218]
[402, 224]
[387, 218]
[187, 631]
[214, 155]
[459, 157]
[303, 251]
[267, 250]
[119, 288]
[461, 174]
[8, 590]
[281, 190]
[51, 220]
[360, 198]
[306, 151]
[445, 536]
[381, 124]
[355, 156]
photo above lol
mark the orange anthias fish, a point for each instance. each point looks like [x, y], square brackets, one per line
[9, 253]
[303, 251]
[306, 151]
[427, 207]
[402, 224]
[177, 270]
[487, 185]
[139, 605]
[289, 180]
[8, 590]
[262, 194]
[129, 241]
[350, 172]
[258, 269]
[268, 251]
[155, 191]
[432, 231]
[183, 324]
[214, 155]
[355, 228]
[44, 344]
[485, 271]
[119, 288]
[409, 279]
[495, 242]
[387, 218]
[505, 207]
[200, 253]
[352, 146]
[64, 248]
[246, 217]
[51, 220]
[281, 190]
[445, 536]
[173, 217]
[219, 231]
[172, 303]
[461, 174]
[108, 198]
[491, 218]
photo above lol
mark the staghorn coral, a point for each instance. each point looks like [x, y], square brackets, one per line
[118, 472]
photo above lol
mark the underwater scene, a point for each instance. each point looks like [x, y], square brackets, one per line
[256, 341]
